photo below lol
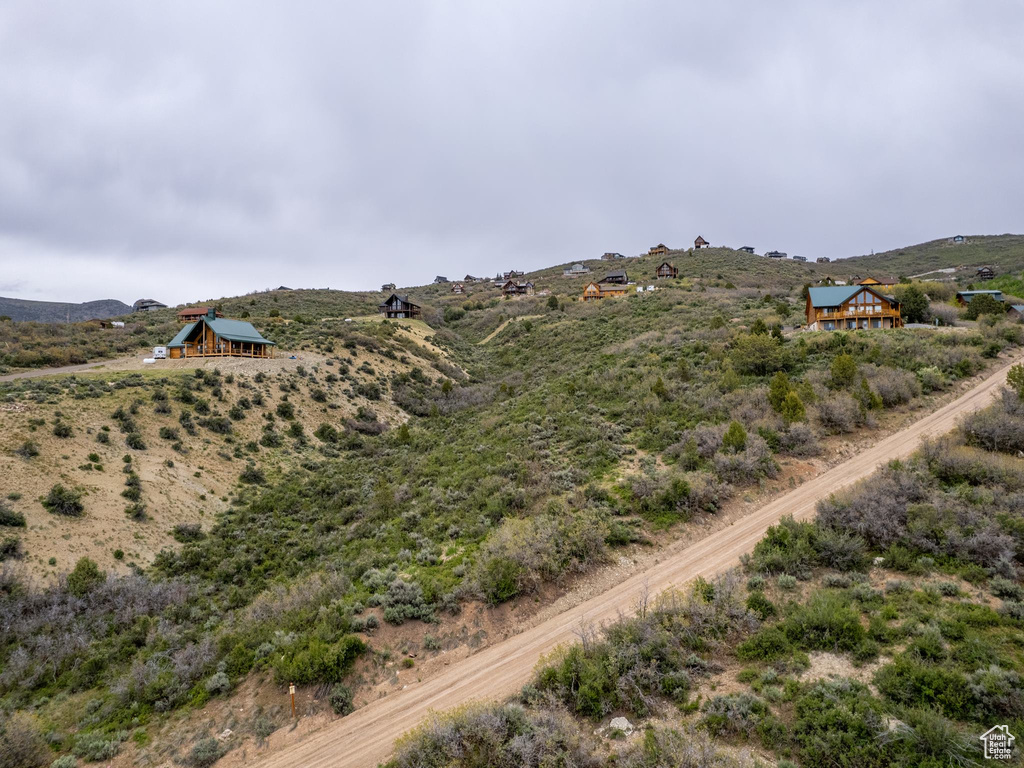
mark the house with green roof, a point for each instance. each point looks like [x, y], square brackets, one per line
[850, 307]
[212, 336]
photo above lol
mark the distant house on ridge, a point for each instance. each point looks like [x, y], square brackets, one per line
[147, 305]
[700, 242]
[576, 269]
[666, 271]
[191, 314]
[399, 308]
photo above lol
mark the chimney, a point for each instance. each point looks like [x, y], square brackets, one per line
[211, 313]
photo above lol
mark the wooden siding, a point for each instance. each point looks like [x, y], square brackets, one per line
[863, 310]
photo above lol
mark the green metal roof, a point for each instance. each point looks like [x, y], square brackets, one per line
[835, 295]
[232, 330]
[179, 340]
[968, 295]
[832, 295]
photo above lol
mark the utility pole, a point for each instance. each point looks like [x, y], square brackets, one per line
[291, 690]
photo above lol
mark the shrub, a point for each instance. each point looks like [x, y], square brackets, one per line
[253, 475]
[494, 736]
[217, 683]
[984, 304]
[64, 501]
[21, 744]
[186, 532]
[757, 354]
[838, 414]
[919, 684]
[62, 430]
[826, 622]
[134, 441]
[27, 450]
[286, 410]
[758, 604]
[65, 761]
[10, 517]
[734, 714]
[838, 722]
[85, 578]
[318, 662]
[93, 747]
[768, 644]
[340, 699]
[843, 371]
[205, 753]
[10, 548]
[735, 438]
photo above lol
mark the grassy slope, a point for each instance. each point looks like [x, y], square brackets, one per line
[935, 626]
[503, 481]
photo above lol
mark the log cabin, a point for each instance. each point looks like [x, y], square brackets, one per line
[666, 271]
[657, 250]
[848, 307]
[985, 273]
[191, 314]
[595, 291]
[399, 308]
[212, 336]
[700, 242]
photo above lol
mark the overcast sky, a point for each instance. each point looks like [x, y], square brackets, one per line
[189, 150]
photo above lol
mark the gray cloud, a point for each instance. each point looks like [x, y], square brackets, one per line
[191, 150]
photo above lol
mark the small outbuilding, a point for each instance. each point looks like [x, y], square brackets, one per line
[963, 298]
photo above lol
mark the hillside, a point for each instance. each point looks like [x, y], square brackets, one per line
[1004, 253]
[223, 527]
[23, 310]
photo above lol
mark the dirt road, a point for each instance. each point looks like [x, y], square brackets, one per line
[365, 738]
[35, 374]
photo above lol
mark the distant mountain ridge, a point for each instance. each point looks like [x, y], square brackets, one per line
[24, 310]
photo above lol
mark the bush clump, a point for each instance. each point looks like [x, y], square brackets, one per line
[64, 501]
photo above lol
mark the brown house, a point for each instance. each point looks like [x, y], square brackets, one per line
[849, 307]
[666, 271]
[700, 242]
[212, 336]
[399, 308]
[512, 288]
[616, 277]
[457, 288]
[657, 250]
[595, 291]
[879, 282]
[985, 273]
[191, 314]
